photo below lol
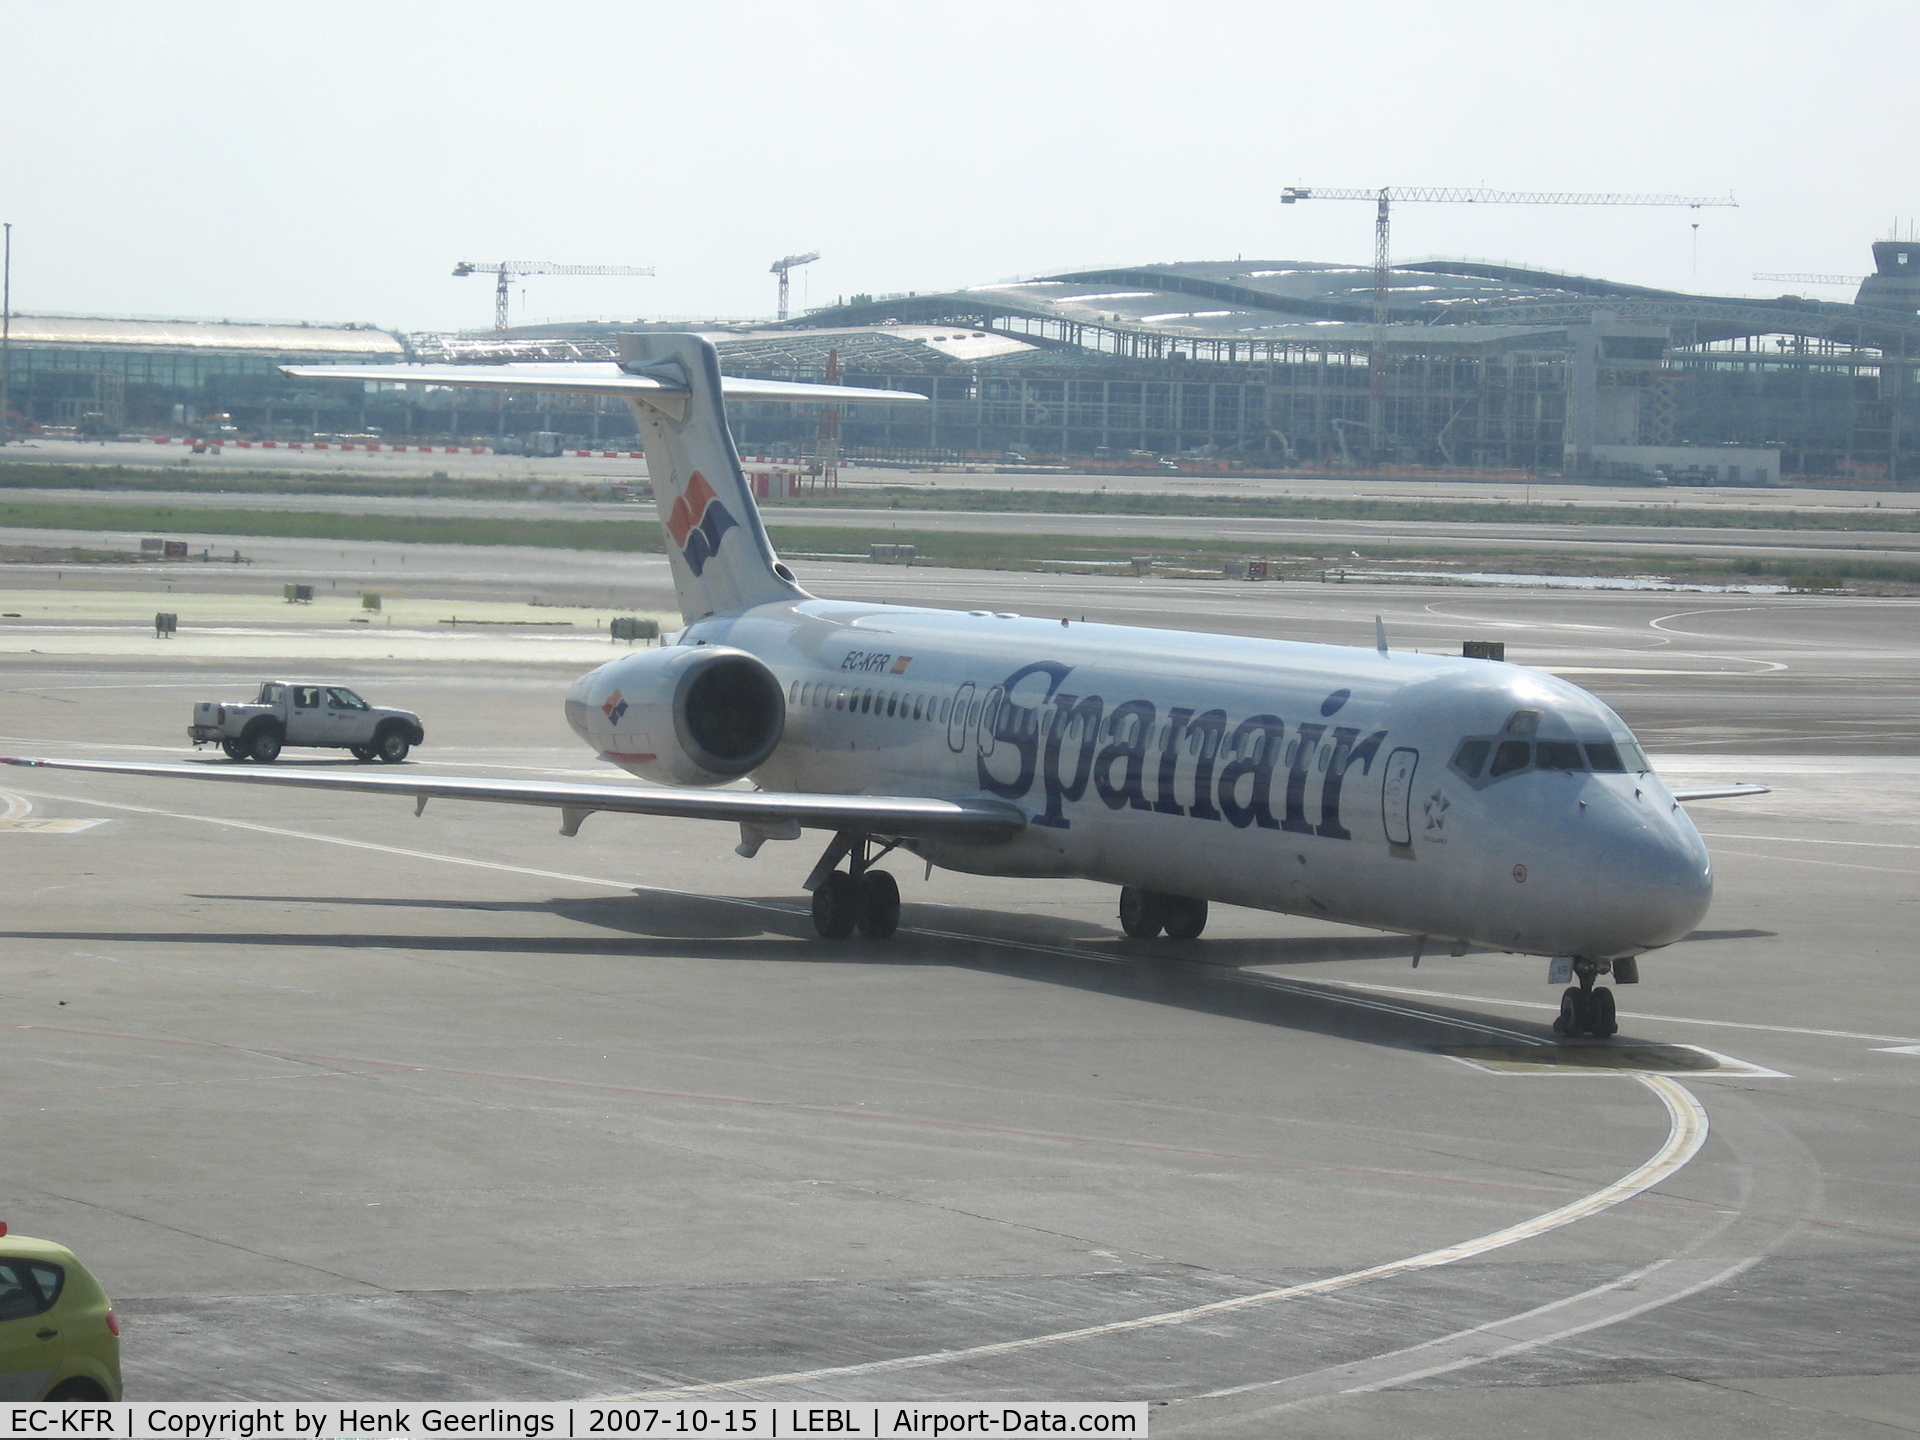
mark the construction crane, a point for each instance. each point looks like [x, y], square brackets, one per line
[1795, 279]
[507, 271]
[781, 266]
[1383, 199]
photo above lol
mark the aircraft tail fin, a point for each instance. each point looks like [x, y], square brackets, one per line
[721, 557]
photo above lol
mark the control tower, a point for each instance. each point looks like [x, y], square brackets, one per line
[1895, 282]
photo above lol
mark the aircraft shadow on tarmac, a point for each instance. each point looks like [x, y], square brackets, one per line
[1200, 976]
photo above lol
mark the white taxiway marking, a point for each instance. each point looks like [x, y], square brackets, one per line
[1686, 1133]
[1624, 1014]
[18, 809]
[1809, 860]
[1808, 840]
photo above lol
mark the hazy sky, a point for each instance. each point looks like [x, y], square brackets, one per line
[332, 161]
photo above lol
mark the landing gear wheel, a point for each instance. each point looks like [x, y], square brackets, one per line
[1142, 914]
[235, 749]
[265, 747]
[877, 904]
[1575, 1013]
[362, 752]
[1600, 1017]
[1185, 917]
[835, 906]
[392, 747]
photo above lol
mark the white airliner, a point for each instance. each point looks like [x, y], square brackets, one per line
[1462, 802]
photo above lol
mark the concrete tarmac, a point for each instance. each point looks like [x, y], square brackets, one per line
[342, 1103]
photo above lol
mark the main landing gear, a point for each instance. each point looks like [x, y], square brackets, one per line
[857, 898]
[1584, 1009]
[1145, 913]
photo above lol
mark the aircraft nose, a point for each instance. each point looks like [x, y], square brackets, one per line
[1659, 872]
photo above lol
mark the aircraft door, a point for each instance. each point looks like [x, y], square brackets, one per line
[1396, 797]
[957, 720]
[986, 730]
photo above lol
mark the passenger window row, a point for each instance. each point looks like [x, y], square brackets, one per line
[900, 705]
[1510, 757]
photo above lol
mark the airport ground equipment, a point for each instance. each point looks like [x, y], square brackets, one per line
[294, 712]
[505, 272]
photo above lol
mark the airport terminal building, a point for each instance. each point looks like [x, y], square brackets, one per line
[1259, 364]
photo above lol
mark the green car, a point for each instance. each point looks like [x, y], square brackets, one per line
[59, 1337]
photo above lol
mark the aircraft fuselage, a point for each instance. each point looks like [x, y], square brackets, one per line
[1318, 780]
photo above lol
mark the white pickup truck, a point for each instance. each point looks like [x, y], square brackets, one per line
[298, 713]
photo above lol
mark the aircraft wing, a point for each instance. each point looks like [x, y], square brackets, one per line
[1721, 792]
[915, 817]
[588, 377]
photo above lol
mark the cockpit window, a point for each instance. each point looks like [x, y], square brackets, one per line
[1559, 755]
[1483, 759]
[1511, 756]
[1471, 755]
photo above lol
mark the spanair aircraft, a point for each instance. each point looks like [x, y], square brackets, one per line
[1464, 802]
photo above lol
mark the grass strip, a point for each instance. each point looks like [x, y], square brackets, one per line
[1506, 512]
[38, 475]
[44, 476]
[964, 550]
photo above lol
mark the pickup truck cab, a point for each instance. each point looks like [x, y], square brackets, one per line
[288, 712]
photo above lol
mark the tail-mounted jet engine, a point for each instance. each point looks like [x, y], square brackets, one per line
[682, 715]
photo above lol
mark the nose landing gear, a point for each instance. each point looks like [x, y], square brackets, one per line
[1585, 1009]
[857, 898]
[1145, 913]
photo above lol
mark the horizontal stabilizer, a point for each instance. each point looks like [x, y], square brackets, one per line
[1721, 792]
[971, 821]
[589, 377]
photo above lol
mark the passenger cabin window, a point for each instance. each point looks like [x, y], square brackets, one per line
[306, 697]
[271, 694]
[1471, 757]
[345, 699]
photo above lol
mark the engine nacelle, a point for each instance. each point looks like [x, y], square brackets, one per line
[682, 715]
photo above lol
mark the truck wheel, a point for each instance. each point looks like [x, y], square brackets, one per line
[266, 745]
[235, 749]
[363, 752]
[393, 746]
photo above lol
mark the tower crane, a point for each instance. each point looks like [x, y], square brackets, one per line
[1796, 278]
[507, 271]
[785, 263]
[1383, 199]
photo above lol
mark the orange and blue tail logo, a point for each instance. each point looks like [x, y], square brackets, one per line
[697, 522]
